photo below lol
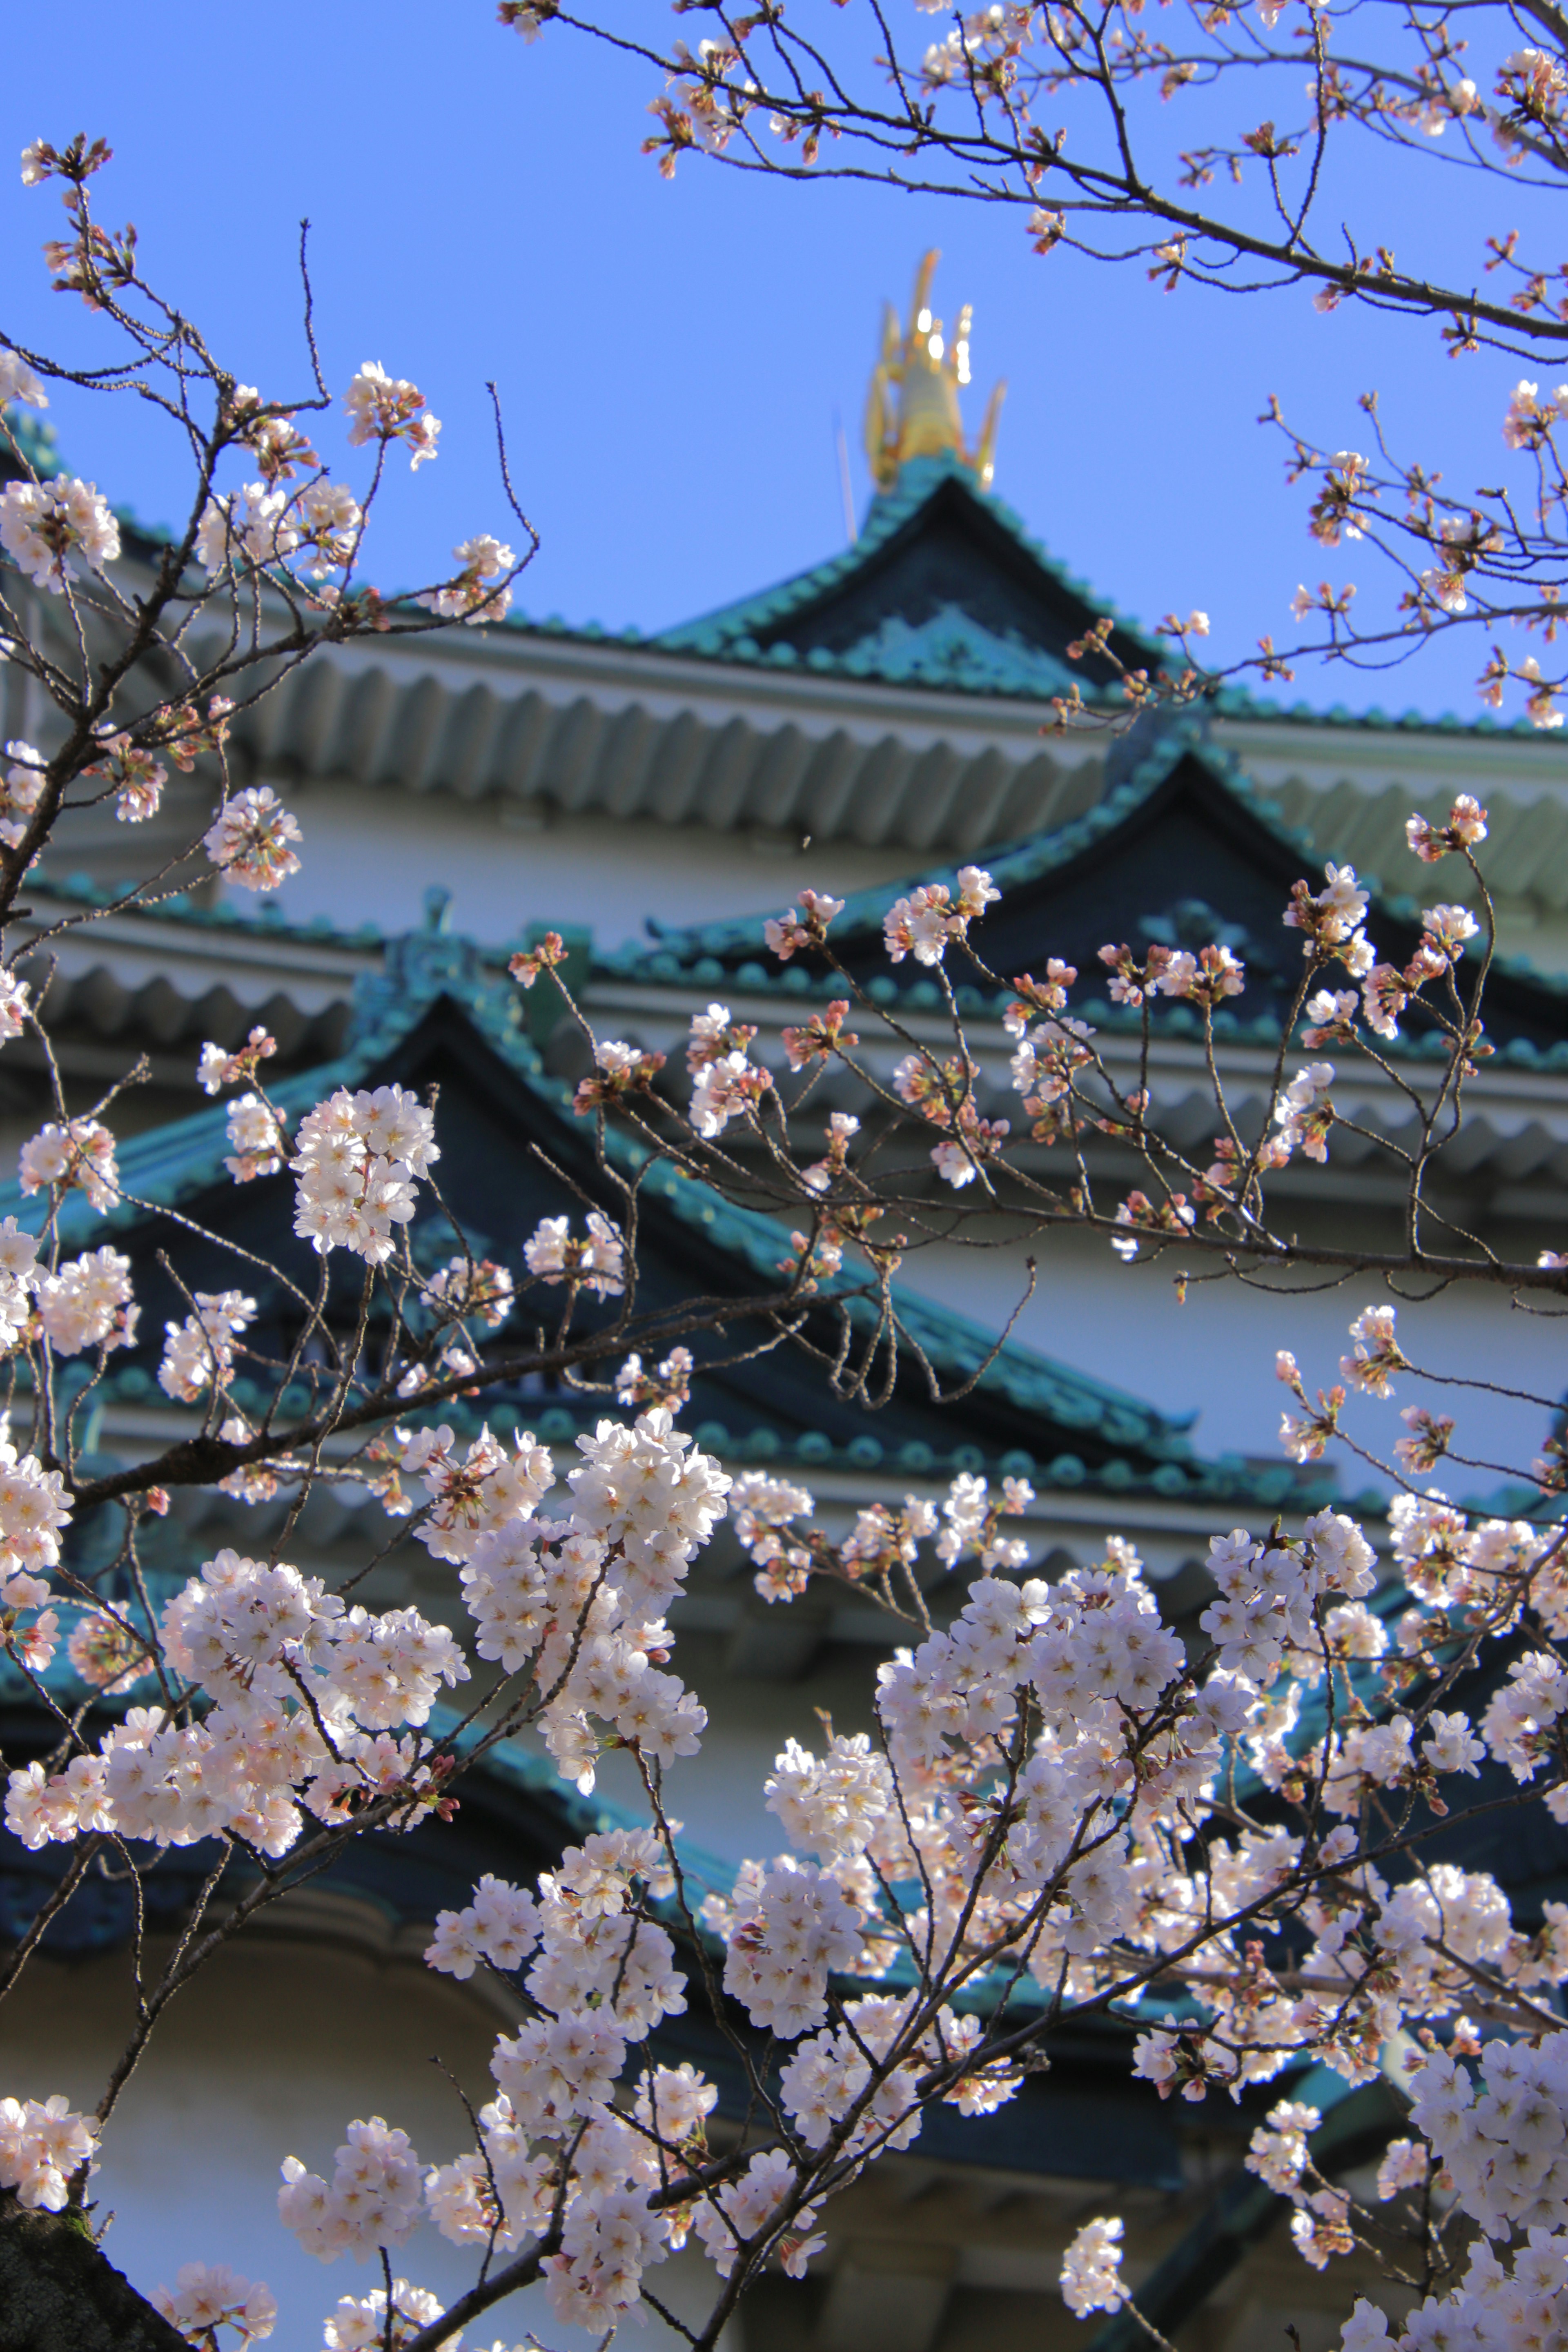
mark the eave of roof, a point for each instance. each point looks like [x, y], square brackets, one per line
[166, 1166]
[696, 954]
[705, 956]
[732, 632]
[1238, 702]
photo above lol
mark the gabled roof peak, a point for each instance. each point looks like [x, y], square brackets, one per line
[1029, 1416]
[419, 966]
[943, 587]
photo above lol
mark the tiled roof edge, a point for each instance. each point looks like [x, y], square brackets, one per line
[716, 633]
[165, 1165]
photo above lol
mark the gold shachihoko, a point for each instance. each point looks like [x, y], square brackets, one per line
[913, 411]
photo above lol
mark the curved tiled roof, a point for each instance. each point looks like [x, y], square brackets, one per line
[711, 953]
[1089, 1433]
[949, 648]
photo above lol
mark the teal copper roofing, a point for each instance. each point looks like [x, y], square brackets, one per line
[715, 954]
[268, 921]
[948, 650]
[946, 646]
[705, 954]
[1238, 702]
[170, 1165]
[1023, 861]
[33, 439]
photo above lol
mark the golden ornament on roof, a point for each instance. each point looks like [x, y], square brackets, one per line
[913, 411]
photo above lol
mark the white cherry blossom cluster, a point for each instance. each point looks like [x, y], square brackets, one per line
[583, 1598]
[357, 1158]
[304, 1694]
[763, 1508]
[384, 409]
[207, 2296]
[1448, 1563]
[16, 1006]
[478, 592]
[22, 782]
[610, 2238]
[1304, 1113]
[259, 1140]
[727, 1088]
[1090, 1847]
[1268, 1593]
[749, 2210]
[374, 2199]
[362, 2323]
[33, 1517]
[482, 1494]
[944, 1092]
[18, 1281]
[198, 1354]
[1517, 2309]
[883, 1541]
[79, 1155]
[833, 1807]
[1091, 2270]
[1466, 828]
[18, 385]
[1048, 1056]
[805, 926]
[1501, 2138]
[472, 1287]
[87, 1303]
[836, 2073]
[1277, 2152]
[1331, 919]
[248, 840]
[501, 1925]
[252, 526]
[329, 522]
[668, 1383]
[1518, 1724]
[56, 531]
[42, 2145]
[972, 1517]
[138, 778]
[798, 1929]
[217, 1068]
[931, 917]
[595, 1262]
[601, 1978]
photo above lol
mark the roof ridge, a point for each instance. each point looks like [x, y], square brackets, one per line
[168, 1163]
[1182, 735]
[728, 631]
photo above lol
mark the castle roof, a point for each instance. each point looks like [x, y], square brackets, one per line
[1185, 849]
[943, 588]
[434, 1014]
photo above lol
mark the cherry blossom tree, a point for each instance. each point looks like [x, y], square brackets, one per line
[1249, 150]
[1062, 1810]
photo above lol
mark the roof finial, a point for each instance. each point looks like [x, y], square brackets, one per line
[923, 420]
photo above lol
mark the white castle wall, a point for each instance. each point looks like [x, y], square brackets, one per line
[369, 857]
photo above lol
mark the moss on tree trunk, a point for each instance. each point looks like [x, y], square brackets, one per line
[59, 2293]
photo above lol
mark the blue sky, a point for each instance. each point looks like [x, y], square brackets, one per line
[673, 358]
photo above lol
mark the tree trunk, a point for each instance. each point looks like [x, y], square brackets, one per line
[58, 2294]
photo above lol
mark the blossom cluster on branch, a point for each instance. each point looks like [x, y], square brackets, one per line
[1057, 1805]
[1252, 148]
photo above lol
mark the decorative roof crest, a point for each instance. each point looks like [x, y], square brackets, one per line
[913, 410]
[422, 965]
